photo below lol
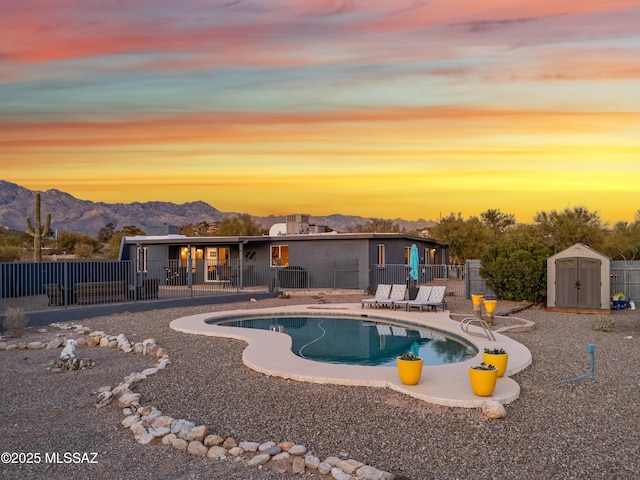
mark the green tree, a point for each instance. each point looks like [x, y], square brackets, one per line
[68, 241]
[106, 232]
[560, 230]
[377, 225]
[623, 241]
[466, 238]
[497, 221]
[516, 270]
[239, 225]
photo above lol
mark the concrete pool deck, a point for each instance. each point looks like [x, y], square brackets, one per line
[270, 353]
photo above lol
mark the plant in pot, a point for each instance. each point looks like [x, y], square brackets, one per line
[409, 368]
[483, 379]
[498, 357]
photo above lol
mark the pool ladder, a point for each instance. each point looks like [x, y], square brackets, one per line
[464, 325]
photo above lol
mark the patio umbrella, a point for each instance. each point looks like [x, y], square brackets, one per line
[413, 263]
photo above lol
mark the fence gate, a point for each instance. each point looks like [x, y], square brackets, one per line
[578, 282]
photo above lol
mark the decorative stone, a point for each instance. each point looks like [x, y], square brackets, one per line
[333, 461]
[112, 344]
[145, 439]
[104, 342]
[180, 444]
[168, 438]
[249, 446]
[106, 388]
[137, 429]
[146, 410]
[213, 440]
[69, 351]
[138, 348]
[367, 472]
[135, 377]
[97, 333]
[128, 399]
[149, 341]
[159, 432]
[259, 459]
[216, 452]
[272, 450]
[162, 421]
[324, 468]
[181, 427]
[104, 399]
[3, 346]
[281, 456]
[196, 433]
[264, 446]
[311, 461]
[493, 409]
[36, 345]
[298, 450]
[229, 443]
[130, 420]
[149, 371]
[236, 451]
[197, 448]
[55, 343]
[340, 475]
[285, 446]
[298, 465]
[161, 352]
[93, 341]
[81, 342]
[349, 466]
[121, 388]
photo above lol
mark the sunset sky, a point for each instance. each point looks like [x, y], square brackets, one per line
[378, 108]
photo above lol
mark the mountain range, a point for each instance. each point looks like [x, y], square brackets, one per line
[84, 216]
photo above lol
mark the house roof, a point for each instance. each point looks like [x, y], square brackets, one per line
[182, 239]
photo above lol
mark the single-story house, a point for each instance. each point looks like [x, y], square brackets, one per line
[340, 260]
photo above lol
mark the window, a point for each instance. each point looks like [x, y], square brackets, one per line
[280, 255]
[381, 254]
[141, 259]
[407, 255]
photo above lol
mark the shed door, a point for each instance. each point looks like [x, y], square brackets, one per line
[578, 282]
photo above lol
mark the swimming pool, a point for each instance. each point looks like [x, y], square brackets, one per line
[359, 341]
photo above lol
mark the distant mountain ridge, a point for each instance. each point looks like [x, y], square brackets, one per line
[84, 216]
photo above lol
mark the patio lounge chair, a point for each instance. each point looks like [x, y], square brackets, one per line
[436, 299]
[421, 300]
[382, 294]
[398, 292]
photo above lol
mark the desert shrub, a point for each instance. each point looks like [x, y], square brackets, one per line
[604, 323]
[9, 253]
[83, 250]
[15, 321]
[516, 270]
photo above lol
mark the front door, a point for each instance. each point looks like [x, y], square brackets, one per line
[578, 282]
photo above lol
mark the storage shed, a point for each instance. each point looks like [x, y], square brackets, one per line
[578, 279]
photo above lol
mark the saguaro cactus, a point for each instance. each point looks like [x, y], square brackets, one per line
[37, 231]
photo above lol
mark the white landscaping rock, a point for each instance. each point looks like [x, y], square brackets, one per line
[493, 409]
[249, 446]
[259, 459]
[338, 474]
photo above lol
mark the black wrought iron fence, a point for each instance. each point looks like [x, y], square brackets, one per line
[452, 276]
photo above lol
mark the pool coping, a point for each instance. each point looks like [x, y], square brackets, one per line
[446, 385]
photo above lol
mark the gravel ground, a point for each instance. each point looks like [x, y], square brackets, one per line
[579, 430]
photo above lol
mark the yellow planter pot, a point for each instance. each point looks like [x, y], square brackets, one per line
[490, 305]
[483, 382]
[477, 300]
[497, 360]
[410, 371]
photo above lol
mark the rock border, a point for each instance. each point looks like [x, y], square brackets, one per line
[149, 425]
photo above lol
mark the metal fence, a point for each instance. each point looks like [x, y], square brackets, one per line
[625, 278]
[39, 286]
[450, 275]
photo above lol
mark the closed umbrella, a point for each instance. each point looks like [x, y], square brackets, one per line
[413, 263]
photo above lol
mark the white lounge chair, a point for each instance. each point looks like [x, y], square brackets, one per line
[436, 299]
[382, 294]
[398, 292]
[421, 300]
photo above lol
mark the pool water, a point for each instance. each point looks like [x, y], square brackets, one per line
[360, 341]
